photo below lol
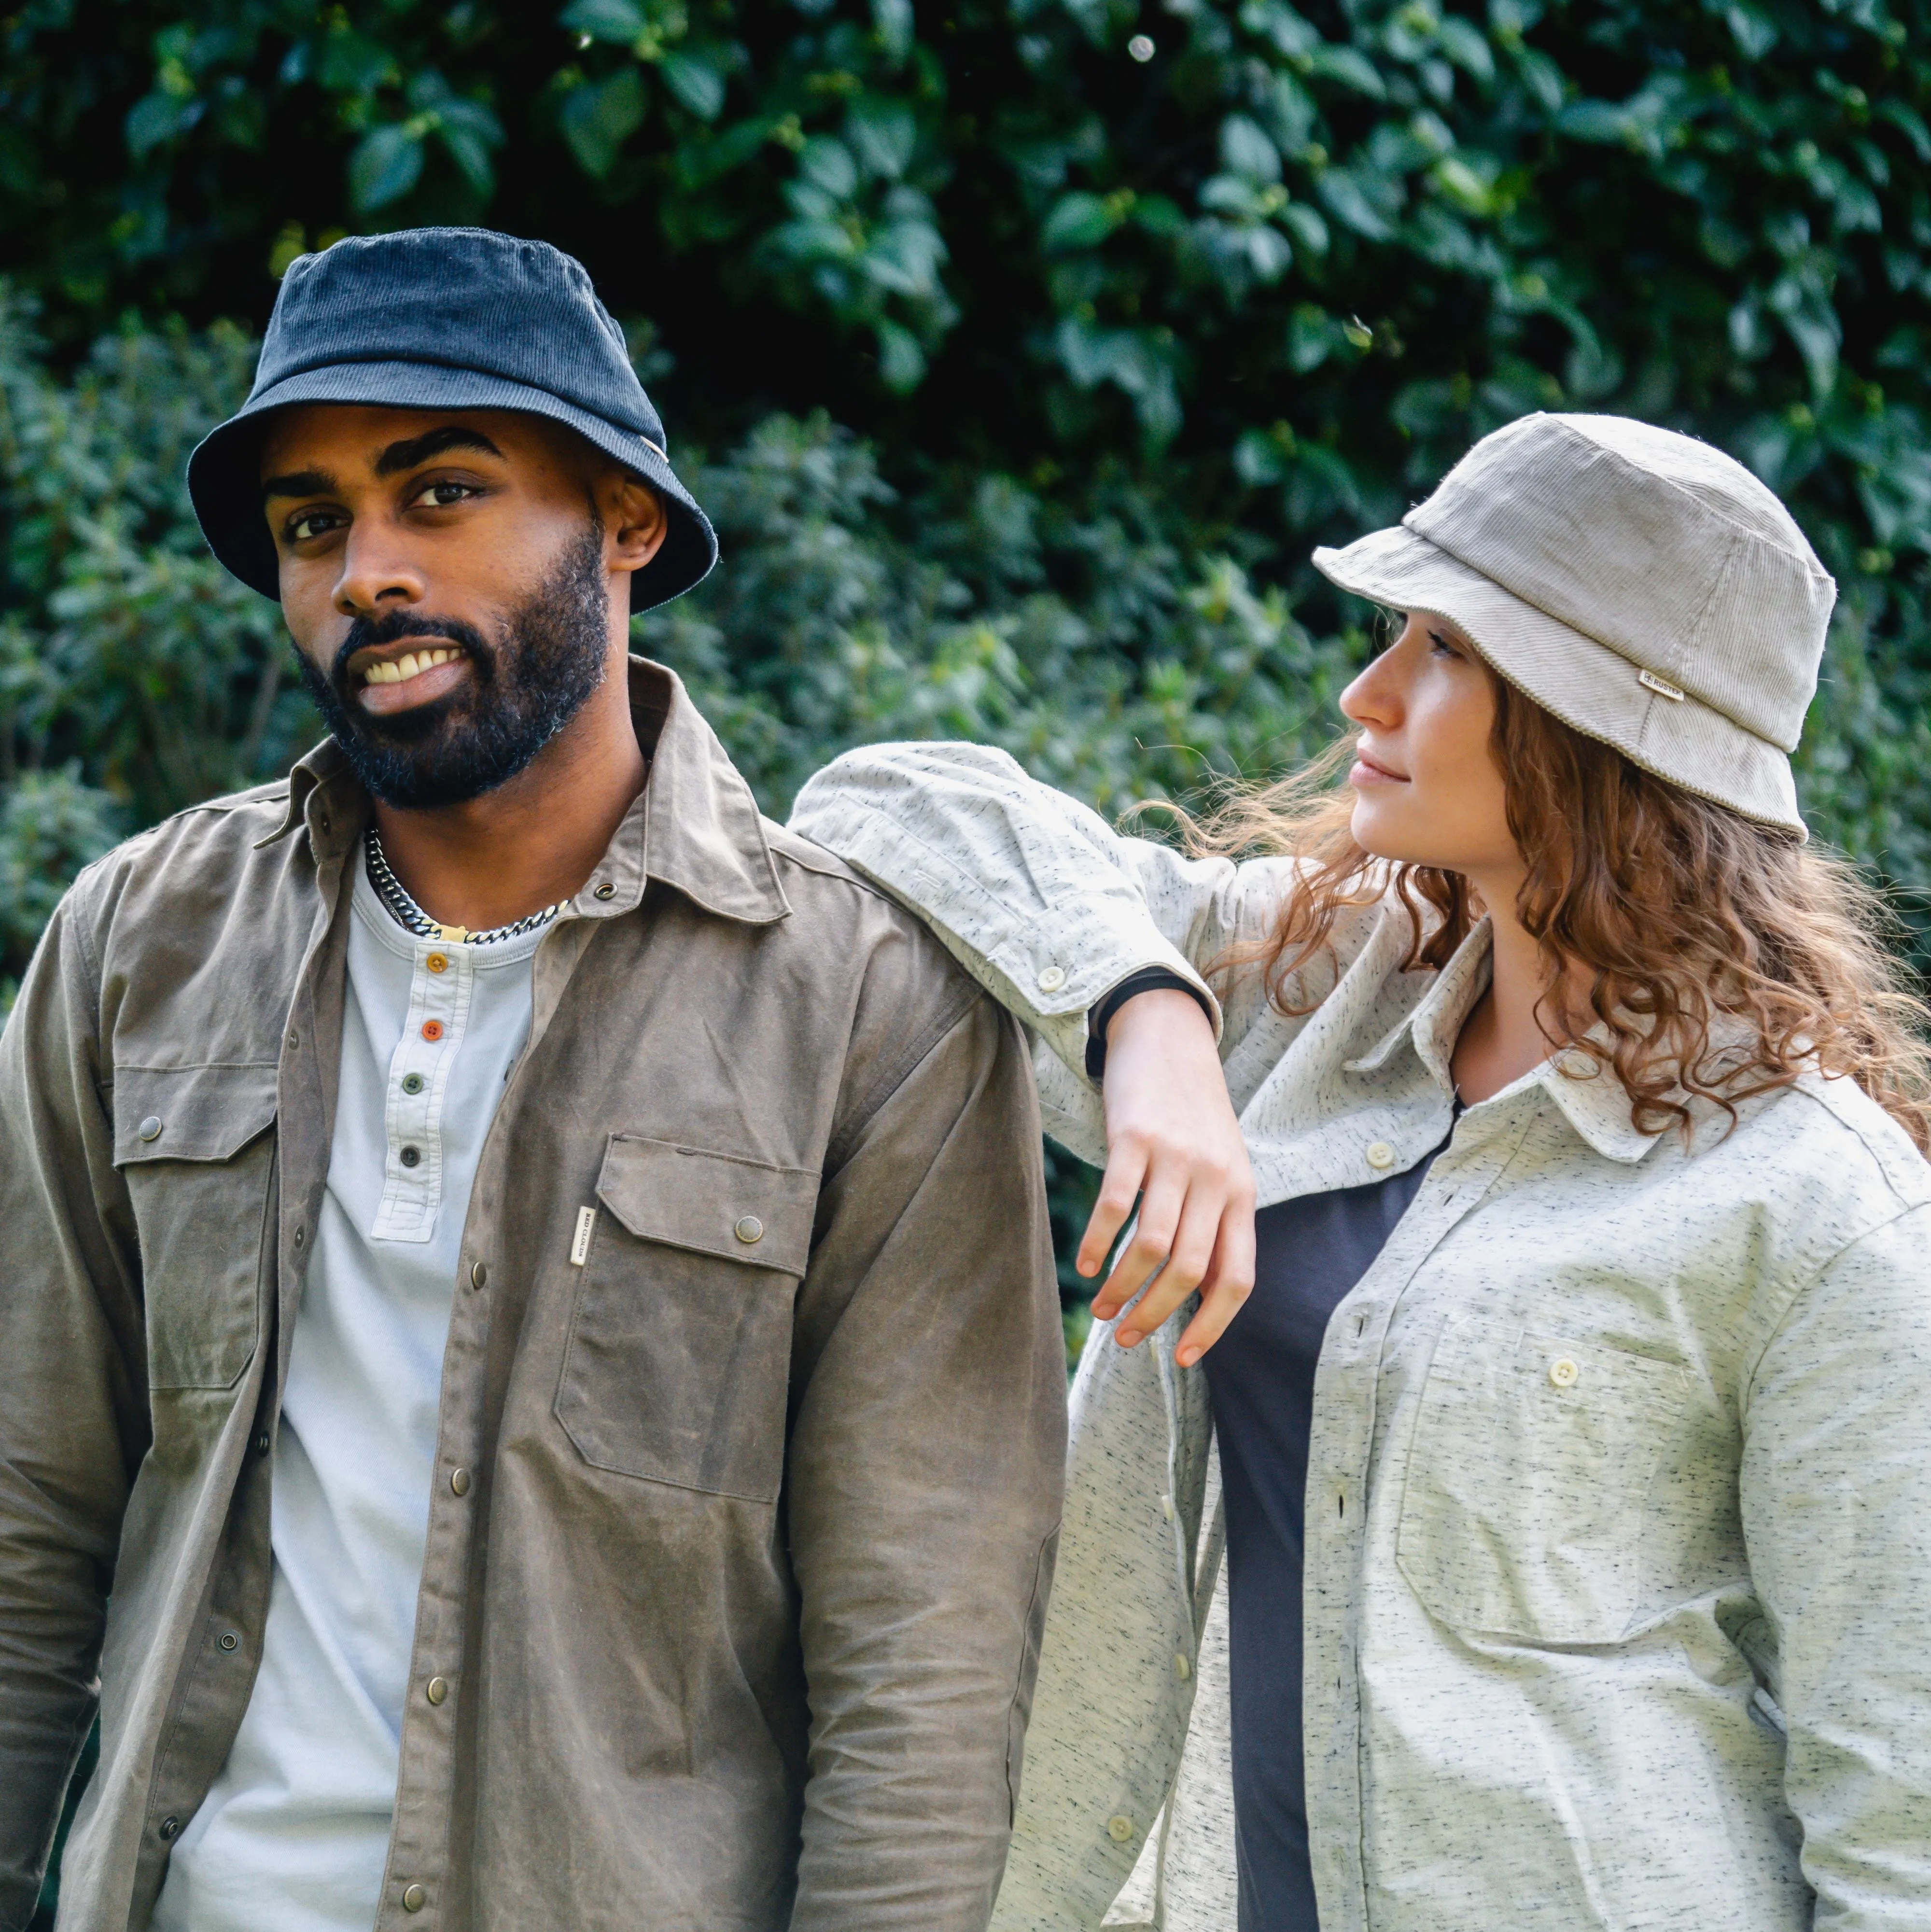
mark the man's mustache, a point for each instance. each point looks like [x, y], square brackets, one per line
[397, 624]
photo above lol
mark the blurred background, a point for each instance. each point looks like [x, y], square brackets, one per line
[1022, 349]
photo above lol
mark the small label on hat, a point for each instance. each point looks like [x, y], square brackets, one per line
[1660, 686]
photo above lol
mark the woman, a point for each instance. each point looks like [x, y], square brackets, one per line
[1588, 1369]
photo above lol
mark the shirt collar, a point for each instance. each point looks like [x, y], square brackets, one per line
[694, 827]
[1588, 1093]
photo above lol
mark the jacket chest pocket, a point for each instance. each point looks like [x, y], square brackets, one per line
[193, 1145]
[1528, 1479]
[678, 1365]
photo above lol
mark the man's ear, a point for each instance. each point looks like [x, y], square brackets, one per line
[635, 522]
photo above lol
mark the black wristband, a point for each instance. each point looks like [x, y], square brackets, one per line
[1148, 979]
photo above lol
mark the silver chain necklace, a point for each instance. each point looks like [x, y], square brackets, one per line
[407, 914]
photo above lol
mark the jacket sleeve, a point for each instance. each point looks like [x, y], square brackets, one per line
[72, 1393]
[924, 1482]
[1042, 902]
[1836, 1491]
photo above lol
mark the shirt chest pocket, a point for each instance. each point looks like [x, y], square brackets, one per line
[193, 1145]
[678, 1364]
[1529, 1476]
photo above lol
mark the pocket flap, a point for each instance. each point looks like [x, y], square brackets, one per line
[718, 1203]
[189, 1113]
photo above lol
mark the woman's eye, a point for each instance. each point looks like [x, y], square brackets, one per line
[440, 496]
[1442, 644]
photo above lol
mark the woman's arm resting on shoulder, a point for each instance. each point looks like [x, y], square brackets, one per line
[1050, 909]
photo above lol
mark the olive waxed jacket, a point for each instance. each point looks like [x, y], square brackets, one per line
[741, 1609]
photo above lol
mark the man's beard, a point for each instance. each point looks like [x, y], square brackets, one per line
[523, 687]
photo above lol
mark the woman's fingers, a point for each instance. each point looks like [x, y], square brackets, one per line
[1173, 1144]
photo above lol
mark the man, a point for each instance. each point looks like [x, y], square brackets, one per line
[532, 1372]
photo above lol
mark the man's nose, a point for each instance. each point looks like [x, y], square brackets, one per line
[377, 573]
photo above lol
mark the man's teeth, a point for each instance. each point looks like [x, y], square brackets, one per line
[399, 670]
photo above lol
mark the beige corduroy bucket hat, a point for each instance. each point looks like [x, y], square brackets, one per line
[1642, 585]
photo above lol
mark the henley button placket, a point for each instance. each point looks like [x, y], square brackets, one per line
[441, 987]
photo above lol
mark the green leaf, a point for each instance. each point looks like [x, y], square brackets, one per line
[696, 83]
[1351, 206]
[901, 362]
[882, 134]
[1246, 151]
[613, 20]
[1076, 220]
[597, 121]
[827, 163]
[386, 164]
[1351, 68]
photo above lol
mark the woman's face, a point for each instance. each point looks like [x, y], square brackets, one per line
[1427, 789]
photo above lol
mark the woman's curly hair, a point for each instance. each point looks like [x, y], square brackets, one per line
[1684, 913]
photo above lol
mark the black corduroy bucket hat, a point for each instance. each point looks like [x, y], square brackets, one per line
[445, 319]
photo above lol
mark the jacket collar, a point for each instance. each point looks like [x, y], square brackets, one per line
[695, 826]
[1588, 1094]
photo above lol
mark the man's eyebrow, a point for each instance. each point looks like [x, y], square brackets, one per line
[300, 483]
[414, 449]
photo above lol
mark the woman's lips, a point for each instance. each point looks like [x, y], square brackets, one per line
[1364, 772]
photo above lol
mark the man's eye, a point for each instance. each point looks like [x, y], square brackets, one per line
[312, 523]
[440, 496]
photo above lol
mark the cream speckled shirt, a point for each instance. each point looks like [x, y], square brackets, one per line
[1618, 1609]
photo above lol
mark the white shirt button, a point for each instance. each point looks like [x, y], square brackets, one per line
[1182, 1669]
[1119, 1829]
[1052, 979]
[1563, 1372]
[1381, 1154]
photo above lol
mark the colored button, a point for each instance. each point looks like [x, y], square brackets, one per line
[436, 1690]
[1119, 1829]
[432, 1029]
[414, 1898]
[437, 962]
[411, 1083]
[150, 1129]
[411, 1156]
[749, 1229]
[1563, 1372]
[458, 1481]
[1380, 1154]
[1052, 979]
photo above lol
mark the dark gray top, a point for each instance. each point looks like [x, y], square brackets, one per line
[1310, 1252]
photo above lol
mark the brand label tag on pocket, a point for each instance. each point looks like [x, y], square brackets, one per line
[579, 1246]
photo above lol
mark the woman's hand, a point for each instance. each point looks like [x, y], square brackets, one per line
[1171, 1137]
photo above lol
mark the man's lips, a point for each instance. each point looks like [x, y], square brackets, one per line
[409, 677]
[1365, 772]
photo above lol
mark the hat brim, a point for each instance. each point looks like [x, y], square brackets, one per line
[224, 478]
[1589, 687]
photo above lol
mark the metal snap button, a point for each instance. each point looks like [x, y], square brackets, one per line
[410, 1156]
[229, 1641]
[294, 1041]
[1380, 1154]
[749, 1229]
[262, 1444]
[436, 1689]
[605, 891]
[1563, 1372]
[458, 1481]
[170, 1830]
[414, 1898]
[411, 1083]
[1052, 979]
[479, 1274]
[301, 1236]
[1119, 1829]
[150, 1129]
